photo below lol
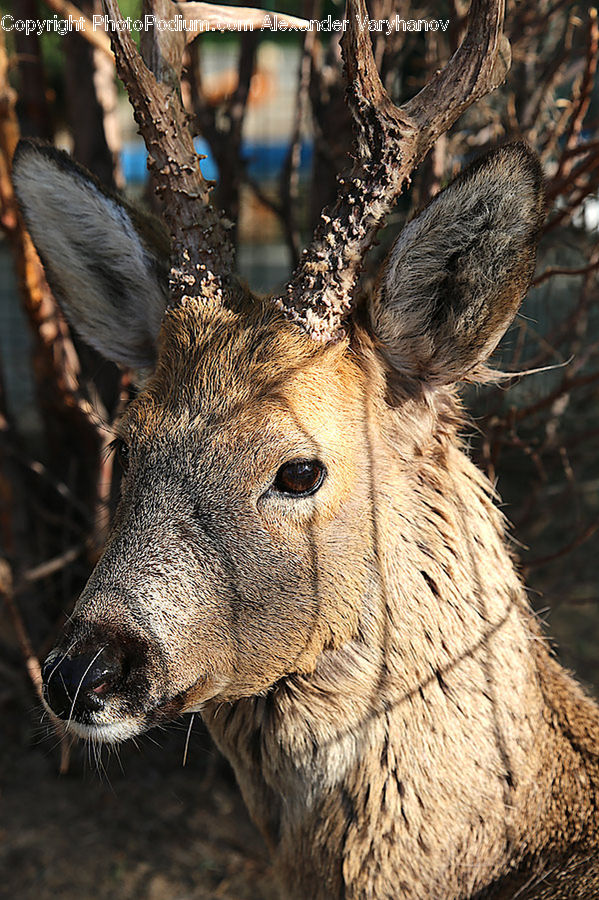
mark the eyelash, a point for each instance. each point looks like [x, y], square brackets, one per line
[120, 450]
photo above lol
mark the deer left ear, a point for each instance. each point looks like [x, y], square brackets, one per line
[457, 274]
[105, 262]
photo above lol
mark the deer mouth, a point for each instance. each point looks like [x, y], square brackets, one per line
[114, 727]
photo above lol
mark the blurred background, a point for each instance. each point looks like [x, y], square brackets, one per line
[164, 820]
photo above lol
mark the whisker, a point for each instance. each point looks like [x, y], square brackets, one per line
[118, 759]
[153, 741]
[60, 659]
[193, 715]
[66, 690]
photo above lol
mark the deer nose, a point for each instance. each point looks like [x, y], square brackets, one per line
[73, 685]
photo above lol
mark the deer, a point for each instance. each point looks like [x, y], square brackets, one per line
[303, 551]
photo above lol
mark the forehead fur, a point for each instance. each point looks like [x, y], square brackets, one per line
[214, 362]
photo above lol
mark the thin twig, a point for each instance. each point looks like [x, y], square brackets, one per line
[584, 93]
[567, 385]
[290, 174]
[584, 535]
[49, 567]
[32, 663]
[556, 270]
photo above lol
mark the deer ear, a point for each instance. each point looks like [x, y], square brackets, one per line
[102, 259]
[456, 275]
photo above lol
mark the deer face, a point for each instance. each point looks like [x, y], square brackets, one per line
[237, 546]
[243, 544]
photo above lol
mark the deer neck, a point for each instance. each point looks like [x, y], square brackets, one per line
[433, 738]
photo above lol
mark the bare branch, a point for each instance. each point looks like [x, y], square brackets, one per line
[584, 535]
[213, 17]
[584, 93]
[56, 364]
[50, 567]
[32, 663]
[555, 270]
[98, 38]
[567, 385]
[289, 174]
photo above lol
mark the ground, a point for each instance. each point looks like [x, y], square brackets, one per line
[153, 830]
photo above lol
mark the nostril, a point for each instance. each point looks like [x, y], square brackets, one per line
[77, 684]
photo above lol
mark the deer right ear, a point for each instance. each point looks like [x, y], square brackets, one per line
[106, 264]
[456, 275]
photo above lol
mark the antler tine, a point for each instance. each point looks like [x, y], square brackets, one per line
[201, 253]
[390, 142]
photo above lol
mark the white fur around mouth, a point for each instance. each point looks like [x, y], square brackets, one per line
[127, 727]
[107, 734]
[104, 732]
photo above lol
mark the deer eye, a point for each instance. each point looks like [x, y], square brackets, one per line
[300, 477]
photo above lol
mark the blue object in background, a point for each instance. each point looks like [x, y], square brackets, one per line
[264, 160]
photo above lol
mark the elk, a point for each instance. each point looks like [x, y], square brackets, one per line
[303, 551]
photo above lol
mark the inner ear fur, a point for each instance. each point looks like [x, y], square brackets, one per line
[106, 262]
[459, 270]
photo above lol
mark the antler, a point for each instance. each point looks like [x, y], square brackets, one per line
[201, 254]
[390, 142]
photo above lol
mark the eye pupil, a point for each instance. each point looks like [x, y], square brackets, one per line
[300, 477]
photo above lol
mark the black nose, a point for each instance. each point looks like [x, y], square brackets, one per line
[74, 685]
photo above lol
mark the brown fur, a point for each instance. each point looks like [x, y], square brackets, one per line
[429, 745]
[365, 657]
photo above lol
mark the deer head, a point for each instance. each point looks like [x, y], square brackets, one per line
[246, 542]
